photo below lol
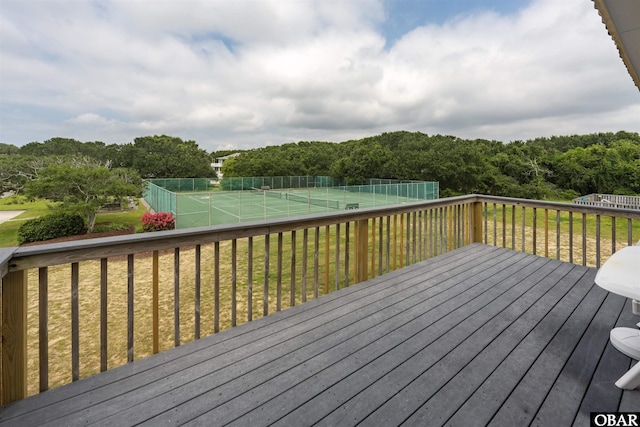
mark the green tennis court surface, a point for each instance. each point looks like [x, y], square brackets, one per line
[195, 209]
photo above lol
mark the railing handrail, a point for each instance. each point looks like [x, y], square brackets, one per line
[569, 207]
[47, 254]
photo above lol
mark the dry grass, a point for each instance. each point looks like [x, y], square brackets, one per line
[59, 303]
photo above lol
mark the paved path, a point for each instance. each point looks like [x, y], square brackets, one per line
[7, 215]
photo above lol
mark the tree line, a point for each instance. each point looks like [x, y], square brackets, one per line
[556, 167]
[540, 168]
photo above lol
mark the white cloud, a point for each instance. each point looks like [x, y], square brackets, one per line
[91, 119]
[255, 72]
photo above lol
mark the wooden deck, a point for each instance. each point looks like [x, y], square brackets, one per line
[481, 335]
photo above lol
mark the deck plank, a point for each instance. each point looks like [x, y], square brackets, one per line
[237, 403]
[573, 381]
[387, 374]
[475, 336]
[602, 392]
[506, 342]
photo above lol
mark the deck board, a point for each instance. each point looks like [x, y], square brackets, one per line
[481, 335]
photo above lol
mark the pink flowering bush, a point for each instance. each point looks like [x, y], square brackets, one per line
[158, 222]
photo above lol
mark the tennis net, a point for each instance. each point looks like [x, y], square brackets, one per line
[333, 204]
[267, 193]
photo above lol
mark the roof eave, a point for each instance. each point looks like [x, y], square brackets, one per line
[612, 28]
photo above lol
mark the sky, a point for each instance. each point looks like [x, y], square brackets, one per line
[241, 74]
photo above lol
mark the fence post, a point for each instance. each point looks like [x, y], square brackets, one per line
[14, 337]
[477, 222]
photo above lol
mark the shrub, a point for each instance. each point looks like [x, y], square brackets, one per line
[158, 222]
[52, 226]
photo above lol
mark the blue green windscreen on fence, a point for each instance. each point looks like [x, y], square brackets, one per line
[196, 202]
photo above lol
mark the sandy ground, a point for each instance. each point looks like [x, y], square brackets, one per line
[7, 215]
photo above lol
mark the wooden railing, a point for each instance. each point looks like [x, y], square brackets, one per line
[79, 308]
[584, 235]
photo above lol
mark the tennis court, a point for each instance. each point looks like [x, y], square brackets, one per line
[194, 209]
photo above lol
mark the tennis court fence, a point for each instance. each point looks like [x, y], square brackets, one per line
[233, 200]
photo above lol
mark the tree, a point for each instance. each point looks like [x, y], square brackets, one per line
[166, 157]
[84, 188]
[366, 160]
[16, 170]
[8, 149]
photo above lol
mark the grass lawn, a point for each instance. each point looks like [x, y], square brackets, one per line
[38, 208]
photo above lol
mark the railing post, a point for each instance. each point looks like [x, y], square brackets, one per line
[362, 245]
[14, 337]
[477, 222]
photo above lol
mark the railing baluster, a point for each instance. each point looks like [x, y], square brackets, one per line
[413, 238]
[43, 327]
[425, 235]
[584, 239]
[176, 297]
[485, 214]
[431, 234]
[504, 225]
[196, 296]
[234, 283]
[546, 233]
[346, 254]
[513, 227]
[597, 241]
[402, 251]
[216, 286]
[613, 235]
[75, 323]
[327, 248]
[373, 247]
[380, 241]
[405, 245]
[461, 225]
[467, 224]
[420, 251]
[356, 254]
[305, 250]
[449, 228]
[495, 225]
[571, 237]
[523, 226]
[362, 246]
[316, 262]
[388, 243]
[443, 230]
[292, 286]
[103, 314]
[130, 308]
[557, 234]
[395, 241]
[250, 279]
[337, 266]
[279, 275]
[535, 230]
[265, 290]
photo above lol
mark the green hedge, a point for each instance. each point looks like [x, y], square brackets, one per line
[51, 227]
